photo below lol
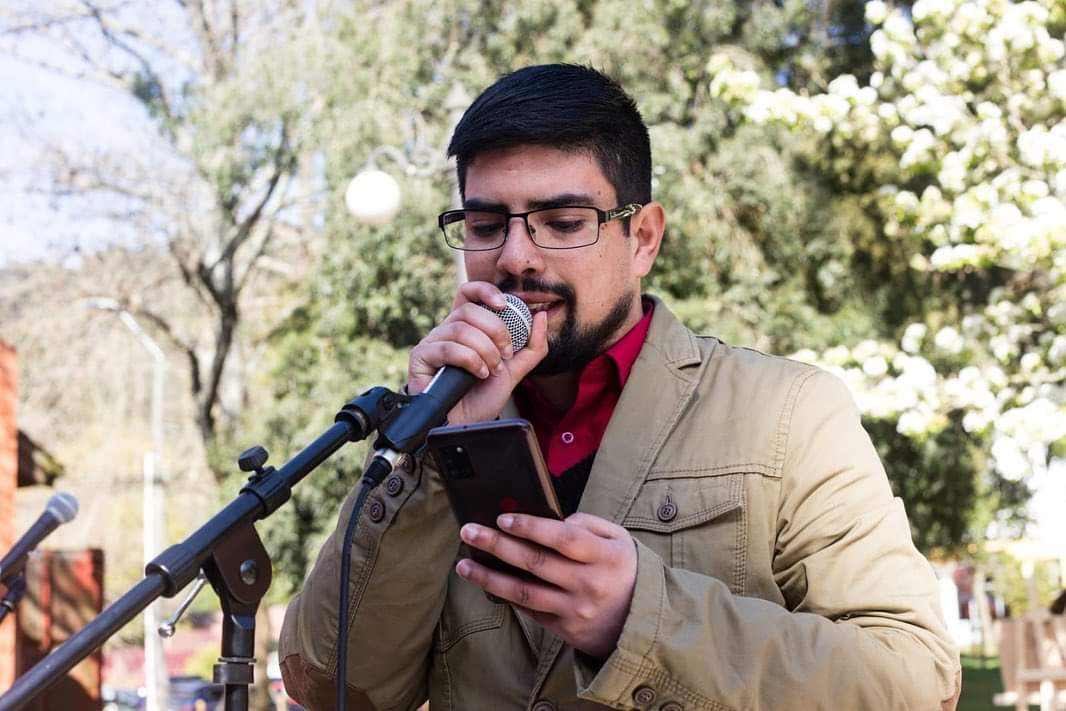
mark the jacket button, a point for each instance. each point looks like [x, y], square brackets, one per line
[671, 706]
[393, 485]
[667, 512]
[644, 695]
[377, 511]
[544, 706]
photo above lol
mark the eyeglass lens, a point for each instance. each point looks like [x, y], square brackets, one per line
[554, 228]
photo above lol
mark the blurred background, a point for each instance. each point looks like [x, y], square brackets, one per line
[218, 223]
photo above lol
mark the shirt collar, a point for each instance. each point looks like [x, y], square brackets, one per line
[598, 374]
[624, 353]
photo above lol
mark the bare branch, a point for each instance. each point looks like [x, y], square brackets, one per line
[235, 41]
[263, 244]
[100, 77]
[145, 65]
[212, 53]
[244, 229]
[42, 25]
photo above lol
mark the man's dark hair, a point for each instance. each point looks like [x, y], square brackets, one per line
[564, 106]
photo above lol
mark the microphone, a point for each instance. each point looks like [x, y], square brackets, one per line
[407, 432]
[61, 508]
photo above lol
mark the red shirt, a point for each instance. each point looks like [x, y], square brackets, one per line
[567, 438]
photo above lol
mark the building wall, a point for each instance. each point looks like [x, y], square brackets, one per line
[8, 482]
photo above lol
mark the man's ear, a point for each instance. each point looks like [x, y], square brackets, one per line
[646, 232]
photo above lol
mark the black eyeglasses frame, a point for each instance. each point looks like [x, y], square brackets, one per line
[603, 216]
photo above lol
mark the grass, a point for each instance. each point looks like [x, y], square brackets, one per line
[980, 681]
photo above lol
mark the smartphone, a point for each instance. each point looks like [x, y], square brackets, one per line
[492, 468]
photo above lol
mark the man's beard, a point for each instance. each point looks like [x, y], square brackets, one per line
[573, 347]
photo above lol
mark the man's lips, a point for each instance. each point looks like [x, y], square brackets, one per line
[539, 302]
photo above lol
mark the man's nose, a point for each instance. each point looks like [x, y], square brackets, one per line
[519, 254]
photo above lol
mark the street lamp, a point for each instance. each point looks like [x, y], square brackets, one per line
[373, 196]
[156, 679]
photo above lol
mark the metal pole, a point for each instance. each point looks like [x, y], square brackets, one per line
[456, 103]
[156, 676]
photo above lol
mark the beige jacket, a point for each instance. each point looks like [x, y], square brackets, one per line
[775, 568]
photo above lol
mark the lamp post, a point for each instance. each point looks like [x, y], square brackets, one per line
[373, 196]
[156, 679]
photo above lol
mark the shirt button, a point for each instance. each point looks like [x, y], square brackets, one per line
[567, 438]
[667, 512]
[393, 485]
[644, 695]
[544, 706]
[377, 511]
[671, 706]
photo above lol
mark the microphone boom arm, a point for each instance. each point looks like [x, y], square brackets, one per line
[229, 550]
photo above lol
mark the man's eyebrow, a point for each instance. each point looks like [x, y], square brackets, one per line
[475, 204]
[561, 200]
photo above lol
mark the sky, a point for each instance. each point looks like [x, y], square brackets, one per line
[41, 107]
[40, 104]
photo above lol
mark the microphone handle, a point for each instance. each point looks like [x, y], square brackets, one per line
[407, 432]
[15, 560]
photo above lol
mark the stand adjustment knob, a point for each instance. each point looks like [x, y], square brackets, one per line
[253, 459]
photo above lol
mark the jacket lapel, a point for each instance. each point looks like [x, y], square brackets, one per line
[658, 391]
[659, 388]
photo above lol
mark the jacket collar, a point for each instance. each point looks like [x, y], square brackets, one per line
[660, 385]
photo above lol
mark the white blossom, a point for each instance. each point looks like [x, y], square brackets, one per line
[876, 12]
[912, 337]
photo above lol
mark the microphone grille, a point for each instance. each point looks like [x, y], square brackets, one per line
[518, 319]
[63, 506]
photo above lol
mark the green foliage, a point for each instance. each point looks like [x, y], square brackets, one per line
[762, 247]
[202, 663]
[1009, 581]
[945, 472]
[316, 370]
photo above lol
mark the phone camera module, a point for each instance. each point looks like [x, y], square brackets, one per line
[457, 463]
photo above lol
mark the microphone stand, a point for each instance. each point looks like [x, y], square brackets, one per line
[11, 598]
[229, 550]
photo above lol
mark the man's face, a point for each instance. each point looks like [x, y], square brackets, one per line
[591, 293]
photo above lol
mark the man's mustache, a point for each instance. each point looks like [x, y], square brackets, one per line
[513, 283]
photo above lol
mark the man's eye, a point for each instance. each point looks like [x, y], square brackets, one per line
[567, 226]
[485, 229]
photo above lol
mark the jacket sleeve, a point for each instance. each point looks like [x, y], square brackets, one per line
[398, 579]
[862, 627]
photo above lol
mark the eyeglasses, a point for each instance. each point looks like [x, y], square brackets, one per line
[566, 227]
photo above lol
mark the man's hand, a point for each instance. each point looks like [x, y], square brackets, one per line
[587, 569]
[477, 341]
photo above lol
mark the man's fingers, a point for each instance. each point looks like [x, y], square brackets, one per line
[473, 338]
[536, 348]
[479, 292]
[570, 540]
[435, 355]
[524, 593]
[600, 526]
[542, 562]
[485, 321]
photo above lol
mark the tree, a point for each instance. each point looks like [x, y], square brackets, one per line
[738, 201]
[956, 146]
[209, 175]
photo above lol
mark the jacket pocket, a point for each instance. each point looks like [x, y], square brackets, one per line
[467, 611]
[694, 522]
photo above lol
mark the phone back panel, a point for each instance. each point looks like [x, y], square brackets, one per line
[492, 468]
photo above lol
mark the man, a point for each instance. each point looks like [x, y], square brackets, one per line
[735, 543]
